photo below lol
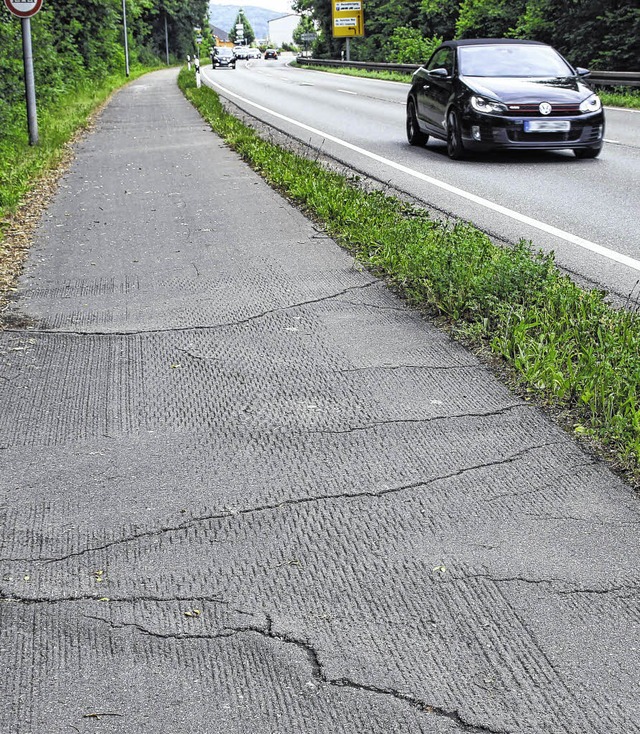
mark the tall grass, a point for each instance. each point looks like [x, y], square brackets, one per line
[567, 346]
[621, 97]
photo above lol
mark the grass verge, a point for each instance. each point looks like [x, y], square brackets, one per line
[621, 98]
[567, 347]
[389, 76]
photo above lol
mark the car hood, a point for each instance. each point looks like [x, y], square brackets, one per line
[510, 89]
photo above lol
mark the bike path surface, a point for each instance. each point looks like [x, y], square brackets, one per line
[245, 489]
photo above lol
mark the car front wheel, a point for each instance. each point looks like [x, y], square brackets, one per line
[415, 136]
[455, 147]
[582, 153]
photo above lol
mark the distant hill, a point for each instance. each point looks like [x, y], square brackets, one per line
[224, 16]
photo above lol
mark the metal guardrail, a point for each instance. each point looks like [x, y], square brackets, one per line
[615, 78]
[597, 78]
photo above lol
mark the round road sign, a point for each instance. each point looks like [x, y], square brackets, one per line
[23, 8]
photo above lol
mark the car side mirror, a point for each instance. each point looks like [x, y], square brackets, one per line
[438, 73]
[582, 72]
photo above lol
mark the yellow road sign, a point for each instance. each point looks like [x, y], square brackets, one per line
[348, 18]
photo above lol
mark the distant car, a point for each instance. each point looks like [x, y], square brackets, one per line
[254, 53]
[271, 53]
[240, 52]
[223, 58]
[503, 93]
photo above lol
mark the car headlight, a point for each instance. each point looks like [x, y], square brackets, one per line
[591, 104]
[480, 104]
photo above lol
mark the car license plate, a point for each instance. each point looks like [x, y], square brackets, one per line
[547, 126]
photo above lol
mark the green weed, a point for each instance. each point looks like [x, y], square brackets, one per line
[621, 97]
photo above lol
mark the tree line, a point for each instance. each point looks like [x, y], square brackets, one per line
[599, 34]
[76, 42]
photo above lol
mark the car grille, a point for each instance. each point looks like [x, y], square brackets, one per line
[519, 136]
[532, 110]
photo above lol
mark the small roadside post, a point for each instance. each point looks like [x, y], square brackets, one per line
[25, 9]
[196, 64]
[196, 58]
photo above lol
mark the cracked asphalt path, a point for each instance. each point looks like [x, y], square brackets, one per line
[245, 490]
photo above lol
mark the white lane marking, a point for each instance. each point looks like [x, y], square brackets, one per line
[346, 91]
[498, 208]
[621, 109]
[606, 140]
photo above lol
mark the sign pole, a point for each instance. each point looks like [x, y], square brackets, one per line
[166, 37]
[126, 39]
[29, 81]
[24, 9]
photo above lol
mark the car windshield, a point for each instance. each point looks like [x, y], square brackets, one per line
[224, 52]
[512, 60]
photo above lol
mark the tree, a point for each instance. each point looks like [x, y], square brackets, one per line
[596, 33]
[409, 46]
[305, 25]
[247, 36]
[326, 46]
[439, 17]
[488, 18]
[76, 42]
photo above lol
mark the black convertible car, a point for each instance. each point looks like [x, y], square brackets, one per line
[503, 93]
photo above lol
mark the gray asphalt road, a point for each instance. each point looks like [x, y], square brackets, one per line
[361, 122]
[246, 490]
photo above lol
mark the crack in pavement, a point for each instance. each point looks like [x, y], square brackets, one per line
[181, 329]
[435, 368]
[287, 503]
[409, 421]
[317, 669]
[572, 518]
[29, 601]
[540, 582]
[571, 469]
[402, 309]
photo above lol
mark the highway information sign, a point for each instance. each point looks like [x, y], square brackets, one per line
[348, 18]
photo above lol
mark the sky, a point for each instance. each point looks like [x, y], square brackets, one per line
[279, 6]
